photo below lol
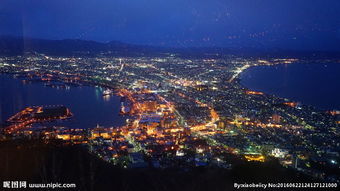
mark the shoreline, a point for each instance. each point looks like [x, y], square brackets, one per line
[239, 80]
[81, 83]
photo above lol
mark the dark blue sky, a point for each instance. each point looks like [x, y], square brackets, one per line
[292, 24]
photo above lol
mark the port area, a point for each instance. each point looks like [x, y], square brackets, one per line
[37, 114]
[155, 135]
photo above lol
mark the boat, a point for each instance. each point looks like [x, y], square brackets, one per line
[107, 92]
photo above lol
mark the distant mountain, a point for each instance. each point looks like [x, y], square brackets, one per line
[10, 45]
[16, 45]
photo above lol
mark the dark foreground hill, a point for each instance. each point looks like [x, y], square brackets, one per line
[37, 162]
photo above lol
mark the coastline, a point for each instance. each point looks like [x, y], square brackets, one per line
[241, 79]
[108, 105]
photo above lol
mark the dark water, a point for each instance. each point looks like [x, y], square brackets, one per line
[312, 84]
[86, 103]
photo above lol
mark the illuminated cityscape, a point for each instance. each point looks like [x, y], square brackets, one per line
[180, 112]
[179, 95]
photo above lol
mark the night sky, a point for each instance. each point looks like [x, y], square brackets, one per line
[287, 24]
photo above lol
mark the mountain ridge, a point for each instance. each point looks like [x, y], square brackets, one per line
[11, 45]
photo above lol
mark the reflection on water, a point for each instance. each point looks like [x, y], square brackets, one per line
[88, 104]
[107, 97]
